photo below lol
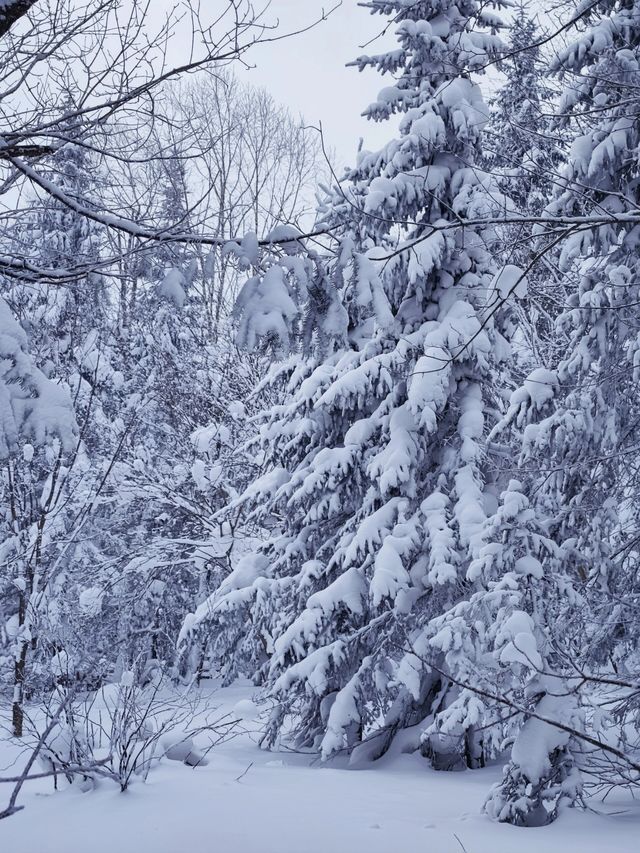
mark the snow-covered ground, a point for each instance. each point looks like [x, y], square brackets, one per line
[250, 801]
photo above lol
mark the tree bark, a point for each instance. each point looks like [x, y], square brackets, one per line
[18, 691]
[12, 12]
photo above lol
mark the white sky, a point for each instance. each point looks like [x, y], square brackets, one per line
[307, 73]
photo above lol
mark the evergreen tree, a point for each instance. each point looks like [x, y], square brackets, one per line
[65, 326]
[377, 482]
[524, 147]
[502, 643]
[525, 150]
[588, 439]
[59, 317]
[574, 425]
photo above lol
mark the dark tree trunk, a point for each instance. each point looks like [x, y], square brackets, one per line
[12, 12]
[18, 691]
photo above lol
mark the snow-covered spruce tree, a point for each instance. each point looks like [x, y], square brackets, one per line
[522, 145]
[63, 323]
[524, 149]
[593, 432]
[593, 428]
[68, 323]
[291, 302]
[58, 317]
[502, 642]
[590, 439]
[376, 486]
[575, 425]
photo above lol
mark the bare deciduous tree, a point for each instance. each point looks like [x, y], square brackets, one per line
[110, 61]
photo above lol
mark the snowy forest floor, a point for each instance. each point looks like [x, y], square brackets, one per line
[247, 800]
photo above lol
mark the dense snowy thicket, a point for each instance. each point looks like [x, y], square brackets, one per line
[382, 464]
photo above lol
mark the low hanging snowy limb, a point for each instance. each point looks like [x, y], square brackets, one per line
[24, 270]
[133, 228]
[171, 236]
[624, 757]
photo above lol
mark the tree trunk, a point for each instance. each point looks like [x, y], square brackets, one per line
[18, 691]
[13, 11]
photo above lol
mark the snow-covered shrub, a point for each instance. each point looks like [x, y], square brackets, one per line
[122, 730]
[542, 774]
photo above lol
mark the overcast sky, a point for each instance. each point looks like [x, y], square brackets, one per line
[308, 73]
